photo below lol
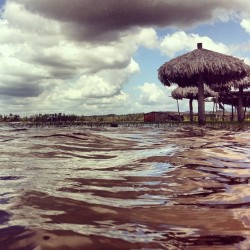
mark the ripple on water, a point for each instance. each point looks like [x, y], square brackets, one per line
[123, 189]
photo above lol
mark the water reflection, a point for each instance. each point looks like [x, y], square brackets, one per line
[124, 188]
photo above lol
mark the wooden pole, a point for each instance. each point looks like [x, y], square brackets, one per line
[232, 115]
[216, 111]
[191, 110]
[240, 105]
[201, 98]
[213, 111]
[201, 103]
[178, 107]
[223, 113]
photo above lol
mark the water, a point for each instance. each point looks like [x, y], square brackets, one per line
[124, 188]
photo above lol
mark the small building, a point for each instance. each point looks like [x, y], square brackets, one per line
[163, 117]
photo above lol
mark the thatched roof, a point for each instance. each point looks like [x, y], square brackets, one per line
[225, 89]
[232, 98]
[215, 68]
[244, 82]
[192, 92]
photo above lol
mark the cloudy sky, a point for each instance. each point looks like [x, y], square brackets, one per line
[101, 56]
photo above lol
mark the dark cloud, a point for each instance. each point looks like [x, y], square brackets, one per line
[56, 66]
[21, 90]
[103, 19]
[52, 61]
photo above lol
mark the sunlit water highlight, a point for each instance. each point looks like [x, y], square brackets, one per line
[124, 188]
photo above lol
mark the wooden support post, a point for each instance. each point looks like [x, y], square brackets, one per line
[191, 110]
[201, 102]
[240, 105]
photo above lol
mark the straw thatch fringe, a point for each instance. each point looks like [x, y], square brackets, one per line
[244, 82]
[192, 93]
[241, 102]
[215, 68]
[232, 98]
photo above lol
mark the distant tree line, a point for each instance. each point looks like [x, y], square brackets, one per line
[61, 117]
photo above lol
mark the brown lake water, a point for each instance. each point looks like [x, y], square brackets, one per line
[124, 188]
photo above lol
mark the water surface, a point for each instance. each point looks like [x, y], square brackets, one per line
[124, 188]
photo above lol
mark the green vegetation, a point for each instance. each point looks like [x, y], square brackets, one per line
[59, 117]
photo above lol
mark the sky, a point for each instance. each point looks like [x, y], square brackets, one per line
[97, 57]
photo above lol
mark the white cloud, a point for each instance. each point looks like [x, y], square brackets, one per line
[245, 24]
[153, 97]
[99, 93]
[22, 19]
[147, 37]
[40, 65]
[152, 94]
[247, 60]
[180, 41]
[100, 85]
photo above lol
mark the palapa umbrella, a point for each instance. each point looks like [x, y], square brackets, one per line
[237, 99]
[191, 93]
[232, 99]
[202, 66]
[240, 85]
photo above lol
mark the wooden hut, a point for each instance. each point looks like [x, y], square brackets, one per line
[161, 117]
